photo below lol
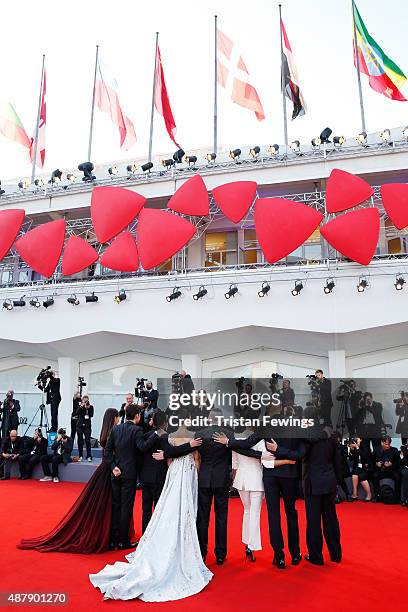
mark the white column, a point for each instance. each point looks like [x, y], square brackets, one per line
[68, 370]
[192, 364]
[337, 364]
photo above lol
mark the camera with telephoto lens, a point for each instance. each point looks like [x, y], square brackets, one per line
[274, 381]
[43, 376]
[63, 433]
[176, 383]
[240, 383]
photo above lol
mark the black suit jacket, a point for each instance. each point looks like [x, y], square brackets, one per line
[125, 447]
[322, 467]
[154, 471]
[215, 467]
[325, 388]
[7, 446]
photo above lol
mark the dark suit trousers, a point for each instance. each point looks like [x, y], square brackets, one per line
[205, 497]
[321, 510]
[274, 486]
[150, 496]
[54, 414]
[123, 499]
[27, 464]
[55, 460]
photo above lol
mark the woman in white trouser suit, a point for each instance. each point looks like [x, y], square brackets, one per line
[249, 484]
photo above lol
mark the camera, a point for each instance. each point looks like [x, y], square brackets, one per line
[43, 376]
[63, 433]
[176, 383]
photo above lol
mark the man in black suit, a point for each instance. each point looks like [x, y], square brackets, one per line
[10, 452]
[31, 455]
[387, 465]
[9, 411]
[325, 397]
[124, 450]
[370, 424]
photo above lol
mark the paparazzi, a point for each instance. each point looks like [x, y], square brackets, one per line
[287, 398]
[345, 470]
[361, 462]
[9, 409]
[84, 428]
[129, 399]
[387, 464]
[76, 402]
[186, 382]
[62, 449]
[149, 404]
[369, 421]
[325, 397]
[350, 398]
[401, 410]
[48, 381]
[10, 452]
[32, 455]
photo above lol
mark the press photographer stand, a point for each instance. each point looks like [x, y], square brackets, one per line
[43, 418]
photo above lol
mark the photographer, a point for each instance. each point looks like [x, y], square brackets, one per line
[9, 409]
[76, 402]
[350, 398]
[287, 398]
[387, 464]
[10, 452]
[369, 421]
[129, 399]
[361, 462]
[48, 381]
[182, 382]
[30, 459]
[62, 449]
[401, 410]
[84, 428]
[325, 397]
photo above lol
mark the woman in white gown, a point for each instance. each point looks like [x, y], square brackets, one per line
[167, 564]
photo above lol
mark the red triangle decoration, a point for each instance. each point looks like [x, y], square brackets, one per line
[10, 223]
[121, 254]
[78, 255]
[160, 235]
[41, 247]
[395, 200]
[345, 190]
[355, 234]
[235, 199]
[283, 225]
[112, 209]
[191, 198]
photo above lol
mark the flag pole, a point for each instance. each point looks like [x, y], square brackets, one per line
[153, 97]
[37, 125]
[215, 144]
[93, 105]
[360, 91]
[285, 117]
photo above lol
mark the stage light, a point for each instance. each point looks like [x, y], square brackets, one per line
[385, 135]
[147, 166]
[232, 291]
[73, 300]
[325, 135]
[338, 141]
[48, 302]
[35, 302]
[176, 293]
[87, 169]
[362, 138]
[329, 286]
[190, 159]
[235, 154]
[167, 163]
[405, 132]
[71, 178]
[254, 152]
[264, 289]
[362, 284]
[316, 142]
[399, 282]
[273, 149]
[295, 146]
[24, 184]
[39, 182]
[121, 296]
[202, 291]
[113, 170]
[19, 303]
[178, 156]
[131, 168]
[297, 288]
[55, 177]
[8, 305]
[1, 190]
[91, 298]
[210, 157]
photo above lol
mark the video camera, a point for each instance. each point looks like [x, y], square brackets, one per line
[240, 384]
[43, 375]
[274, 381]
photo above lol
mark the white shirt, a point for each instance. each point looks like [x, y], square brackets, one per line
[249, 470]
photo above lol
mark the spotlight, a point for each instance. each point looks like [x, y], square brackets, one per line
[362, 138]
[55, 177]
[316, 142]
[167, 163]
[264, 289]
[35, 302]
[24, 184]
[91, 298]
[121, 296]
[385, 135]
[399, 282]
[176, 293]
[1, 190]
[325, 135]
[39, 182]
[254, 152]
[87, 168]
[338, 141]
[297, 288]
[405, 132]
[273, 149]
[178, 156]
[329, 286]
[19, 303]
[73, 300]
[295, 146]
[48, 302]
[113, 170]
[202, 291]
[8, 305]
[71, 178]
[231, 292]
[362, 284]
[190, 159]
[131, 168]
[235, 154]
[210, 157]
[147, 166]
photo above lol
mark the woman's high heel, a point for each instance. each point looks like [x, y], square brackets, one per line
[249, 554]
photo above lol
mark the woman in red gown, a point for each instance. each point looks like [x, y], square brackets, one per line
[86, 526]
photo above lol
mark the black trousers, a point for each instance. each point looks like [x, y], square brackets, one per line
[84, 432]
[7, 466]
[55, 460]
[392, 475]
[288, 487]
[54, 414]
[123, 499]
[150, 496]
[205, 497]
[404, 484]
[27, 464]
[321, 511]
[74, 423]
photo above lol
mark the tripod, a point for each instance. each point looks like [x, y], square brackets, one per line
[43, 418]
[341, 420]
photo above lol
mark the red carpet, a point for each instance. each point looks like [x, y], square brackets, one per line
[373, 573]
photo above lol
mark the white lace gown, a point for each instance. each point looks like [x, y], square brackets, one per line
[167, 564]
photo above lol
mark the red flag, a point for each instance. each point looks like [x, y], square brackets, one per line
[161, 100]
[232, 74]
[40, 157]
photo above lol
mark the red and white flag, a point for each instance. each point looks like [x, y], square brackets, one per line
[40, 157]
[107, 100]
[161, 100]
[232, 74]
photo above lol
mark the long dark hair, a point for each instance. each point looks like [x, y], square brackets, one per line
[107, 424]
